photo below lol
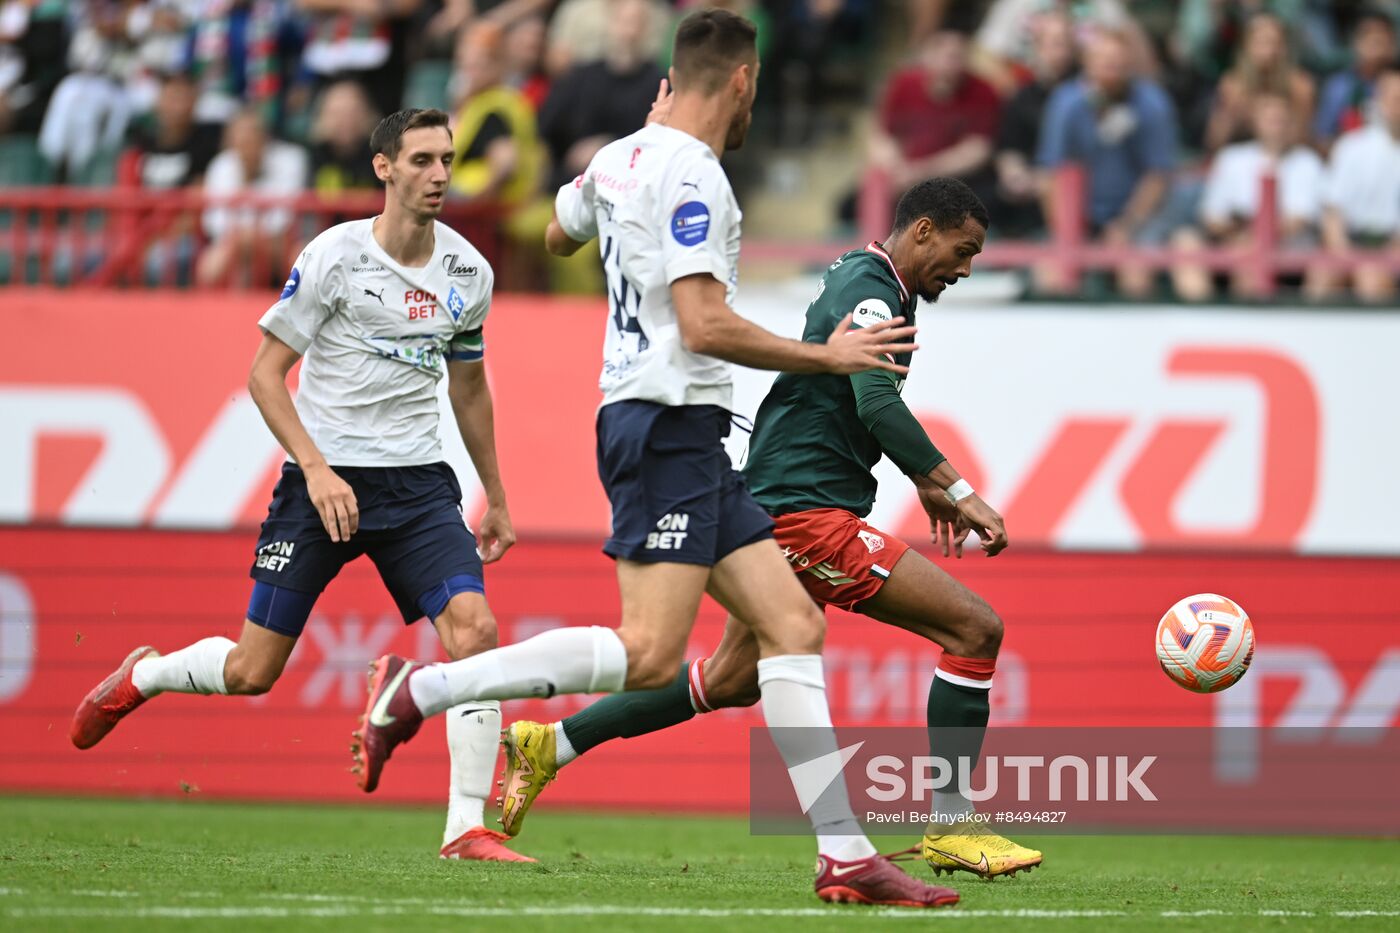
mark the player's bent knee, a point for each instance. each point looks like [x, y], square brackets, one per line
[240, 680]
[650, 666]
[466, 629]
[983, 637]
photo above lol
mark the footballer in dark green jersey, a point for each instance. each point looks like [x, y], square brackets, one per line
[815, 441]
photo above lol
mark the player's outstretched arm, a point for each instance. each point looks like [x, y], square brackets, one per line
[267, 384]
[470, 396]
[709, 326]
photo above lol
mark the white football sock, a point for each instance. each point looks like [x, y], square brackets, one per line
[795, 709]
[562, 660]
[196, 669]
[473, 738]
[563, 748]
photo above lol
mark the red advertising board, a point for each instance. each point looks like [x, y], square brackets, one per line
[1078, 651]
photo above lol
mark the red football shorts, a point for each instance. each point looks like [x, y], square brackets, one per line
[839, 558]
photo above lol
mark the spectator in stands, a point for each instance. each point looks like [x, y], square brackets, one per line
[524, 52]
[248, 238]
[33, 50]
[360, 40]
[1362, 200]
[1018, 187]
[340, 155]
[578, 33]
[1004, 42]
[593, 104]
[170, 148]
[499, 155]
[1122, 131]
[88, 114]
[1208, 32]
[157, 30]
[1264, 66]
[1346, 95]
[937, 119]
[240, 52]
[1233, 189]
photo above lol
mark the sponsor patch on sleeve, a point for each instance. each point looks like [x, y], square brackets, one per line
[293, 282]
[455, 305]
[690, 224]
[870, 311]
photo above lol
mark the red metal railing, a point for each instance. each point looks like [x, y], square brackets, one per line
[132, 237]
[1067, 246]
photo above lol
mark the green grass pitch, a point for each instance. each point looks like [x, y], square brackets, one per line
[131, 865]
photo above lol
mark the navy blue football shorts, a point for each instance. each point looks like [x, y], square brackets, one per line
[411, 526]
[675, 495]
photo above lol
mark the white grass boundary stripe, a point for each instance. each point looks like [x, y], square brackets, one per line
[616, 910]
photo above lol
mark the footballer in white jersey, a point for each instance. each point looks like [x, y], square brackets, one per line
[661, 208]
[379, 311]
[683, 521]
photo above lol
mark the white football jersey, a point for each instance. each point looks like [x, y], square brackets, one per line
[375, 337]
[661, 207]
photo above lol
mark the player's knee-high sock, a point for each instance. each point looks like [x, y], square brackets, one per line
[564, 660]
[196, 669]
[958, 706]
[624, 716]
[795, 709]
[473, 739]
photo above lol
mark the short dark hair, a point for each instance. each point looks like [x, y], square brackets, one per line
[1373, 15]
[946, 202]
[710, 44]
[388, 135]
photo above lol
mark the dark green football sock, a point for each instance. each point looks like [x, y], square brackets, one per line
[957, 723]
[632, 713]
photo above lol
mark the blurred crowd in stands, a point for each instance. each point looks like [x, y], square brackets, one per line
[1175, 108]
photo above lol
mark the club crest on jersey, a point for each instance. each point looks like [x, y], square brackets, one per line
[873, 542]
[454, 267]
[455, 305]
[293, 281]
[690, 224]
[871, 311]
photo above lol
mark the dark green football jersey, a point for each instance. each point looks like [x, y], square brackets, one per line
[817, 436]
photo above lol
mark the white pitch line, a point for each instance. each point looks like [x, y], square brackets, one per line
[613, 910]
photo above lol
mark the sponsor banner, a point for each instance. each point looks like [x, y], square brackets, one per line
[1078, 651]
[1078, 780]
[1112, 428]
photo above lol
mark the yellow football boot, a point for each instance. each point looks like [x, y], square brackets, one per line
[974, 848]
[529, 767]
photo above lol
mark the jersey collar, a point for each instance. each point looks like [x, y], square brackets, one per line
[879, 250]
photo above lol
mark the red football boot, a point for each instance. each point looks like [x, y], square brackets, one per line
[482, 845]
[108, 702]
[876, 880]
[390, 719]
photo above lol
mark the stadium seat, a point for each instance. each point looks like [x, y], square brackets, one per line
[427, 84]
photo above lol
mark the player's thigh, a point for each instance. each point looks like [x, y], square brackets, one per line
[659, 603]
[756, 584]
[729, 676]
[921, 598]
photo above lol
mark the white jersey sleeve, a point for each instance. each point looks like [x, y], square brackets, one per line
[574, 206]
[315, 289]
[468, 344]
[698, 216]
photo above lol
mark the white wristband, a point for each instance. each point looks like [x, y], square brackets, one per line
[959, 490]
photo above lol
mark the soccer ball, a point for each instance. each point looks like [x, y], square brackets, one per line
[1205, 642]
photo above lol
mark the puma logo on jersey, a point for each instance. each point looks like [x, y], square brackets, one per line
[379, 297]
